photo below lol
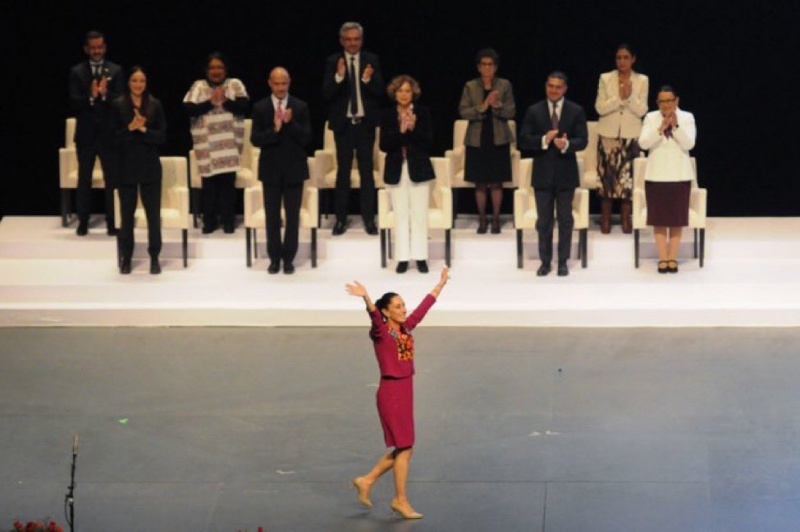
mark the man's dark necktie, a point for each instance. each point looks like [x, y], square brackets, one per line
[554, 117]
[353, 88]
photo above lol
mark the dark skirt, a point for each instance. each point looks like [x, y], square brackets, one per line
[667, 203]
[615, 167]
[396, 410]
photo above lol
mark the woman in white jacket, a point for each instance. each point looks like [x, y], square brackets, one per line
[668, 134]
[621, 103]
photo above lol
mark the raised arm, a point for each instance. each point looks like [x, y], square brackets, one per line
[443, 278]
[359, 290]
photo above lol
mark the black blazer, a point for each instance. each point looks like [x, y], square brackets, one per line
[138, 152]
[283, 155]
[551, 168]
[417, 143]
[95, 120]
[337, 95]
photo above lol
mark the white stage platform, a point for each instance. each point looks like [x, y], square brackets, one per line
[51, 277]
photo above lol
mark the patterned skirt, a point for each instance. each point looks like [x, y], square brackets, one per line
[615, 167]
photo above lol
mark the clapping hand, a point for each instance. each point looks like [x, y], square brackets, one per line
[561, 142]
[625, 90]
[367, 74]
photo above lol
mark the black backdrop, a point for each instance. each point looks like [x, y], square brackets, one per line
[735, 69]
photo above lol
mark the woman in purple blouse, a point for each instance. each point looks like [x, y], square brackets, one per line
[394, 349]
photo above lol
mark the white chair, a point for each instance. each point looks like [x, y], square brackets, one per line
[457, 155]
[440, 214]
[697, 210]
[325, 167]
[525, 212]
[246, 176]
[174, 202]
[68, 172]
[255, 218]
[589, 177]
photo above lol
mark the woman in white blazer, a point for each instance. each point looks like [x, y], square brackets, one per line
[621, 103]
[668, 134]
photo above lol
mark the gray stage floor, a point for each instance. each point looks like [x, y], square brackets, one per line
[551, 430]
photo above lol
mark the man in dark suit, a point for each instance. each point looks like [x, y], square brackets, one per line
[282, 129]
[554, 129]
[93, 86]
[353, 87]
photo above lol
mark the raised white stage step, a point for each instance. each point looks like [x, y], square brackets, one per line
[49, 276]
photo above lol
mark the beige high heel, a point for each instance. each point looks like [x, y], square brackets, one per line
[405, 514]
[363, 492]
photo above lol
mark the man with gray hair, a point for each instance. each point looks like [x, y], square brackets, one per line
[352, 86]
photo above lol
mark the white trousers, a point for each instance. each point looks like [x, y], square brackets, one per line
[410, 206]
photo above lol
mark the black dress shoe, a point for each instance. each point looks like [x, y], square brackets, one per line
[370, 228]
[544, 269]
[229, 228]
[563, 270]
[672, 266]
[209, 228]
[402, 266]
[274, 266]
[340, 227]
[422, 266]
[112, 231]
[83, 229]
[125, 266]
[155, 267]
[482, 226]
[288, 268]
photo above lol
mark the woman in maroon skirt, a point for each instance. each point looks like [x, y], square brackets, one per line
[394, 349]
[668, 134]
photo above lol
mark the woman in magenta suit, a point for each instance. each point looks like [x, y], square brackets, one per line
[394, 349]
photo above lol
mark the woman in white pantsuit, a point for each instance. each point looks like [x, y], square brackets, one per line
[406, 136]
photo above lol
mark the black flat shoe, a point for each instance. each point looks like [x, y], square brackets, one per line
[422, 266]
[340, 227]
[155, 267]
[543, 270]
[482, 226]
[495, 227]
[672, 266]
[402, 266]
[663, 266]
[274, 267]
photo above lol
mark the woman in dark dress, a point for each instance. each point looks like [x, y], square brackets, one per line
[140, 128]
[488, 103]
[394, 349]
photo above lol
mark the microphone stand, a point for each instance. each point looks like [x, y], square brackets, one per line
[69, 500]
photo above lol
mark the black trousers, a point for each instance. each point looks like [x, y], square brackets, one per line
[151, 201]
[290, 196]
[361, 138]
[219, 199]
[546, 200]
[87, 153]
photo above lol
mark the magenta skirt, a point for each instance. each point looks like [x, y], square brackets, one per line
[667, 203]
[396, 410]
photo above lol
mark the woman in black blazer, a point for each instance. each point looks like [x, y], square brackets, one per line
[140, 128]
[406, 136]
